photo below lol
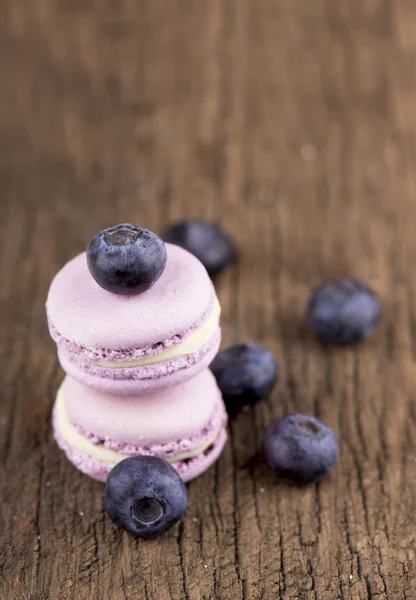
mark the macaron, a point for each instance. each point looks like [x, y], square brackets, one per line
[135, 344]
[184, 424]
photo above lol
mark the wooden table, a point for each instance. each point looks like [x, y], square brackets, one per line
[292, 123]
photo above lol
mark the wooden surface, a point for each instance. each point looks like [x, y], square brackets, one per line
[292, 123]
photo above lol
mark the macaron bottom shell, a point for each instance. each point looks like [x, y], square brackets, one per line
[188, 469]
[138, 380]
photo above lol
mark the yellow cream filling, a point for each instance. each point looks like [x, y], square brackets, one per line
[78, 442]
[192, 343]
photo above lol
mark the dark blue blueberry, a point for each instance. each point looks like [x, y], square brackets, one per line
[126, 259]
[246, 373]
[145, 495]
[300, 449]
[343, 311]
[204, 240]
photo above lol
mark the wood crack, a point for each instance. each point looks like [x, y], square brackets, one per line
[236, 518]
[182, 561]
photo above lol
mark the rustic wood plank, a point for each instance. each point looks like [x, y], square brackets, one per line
[292, 123]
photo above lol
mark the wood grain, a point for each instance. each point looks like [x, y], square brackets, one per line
[292, 124]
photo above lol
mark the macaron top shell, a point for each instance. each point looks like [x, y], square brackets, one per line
[172, 414]
[87, 315]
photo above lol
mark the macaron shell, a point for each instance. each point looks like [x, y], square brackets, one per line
[188, 470]
[142, 380]
[171, 414]
[87, 315]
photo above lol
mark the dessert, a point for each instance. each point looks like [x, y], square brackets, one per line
[137, 343]
[137, 325]
[184, 425]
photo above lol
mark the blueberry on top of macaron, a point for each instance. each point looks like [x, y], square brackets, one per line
[126, 259]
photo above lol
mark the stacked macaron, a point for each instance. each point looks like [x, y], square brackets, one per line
[137, 325]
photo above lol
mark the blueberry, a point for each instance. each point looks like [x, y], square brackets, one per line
[300, 449]
[145, 495]
[246, 373]
[126, 259]
[343, 311]
[204, 240]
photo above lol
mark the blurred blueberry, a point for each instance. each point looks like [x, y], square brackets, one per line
[300, 449]
[246, 373]
[204, 240]
[343, 311]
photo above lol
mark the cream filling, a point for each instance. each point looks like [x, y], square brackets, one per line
[78, 442]
[192, 343]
